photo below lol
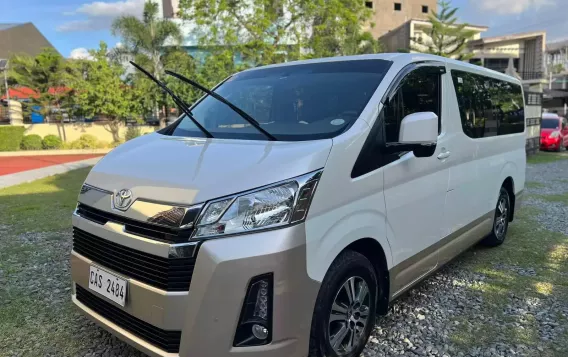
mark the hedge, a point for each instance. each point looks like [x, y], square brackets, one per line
[85, 141]
[51, 142]
[31, 142]
[11, 137]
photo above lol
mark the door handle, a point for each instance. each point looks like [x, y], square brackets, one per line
[444, 154]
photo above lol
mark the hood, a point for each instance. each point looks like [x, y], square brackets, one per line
[191, 170]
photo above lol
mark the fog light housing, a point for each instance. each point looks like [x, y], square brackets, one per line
[255, 322]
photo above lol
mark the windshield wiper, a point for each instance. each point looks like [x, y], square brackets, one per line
[176, 99]
[236, 109]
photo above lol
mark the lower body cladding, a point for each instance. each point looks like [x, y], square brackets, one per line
[205, 320]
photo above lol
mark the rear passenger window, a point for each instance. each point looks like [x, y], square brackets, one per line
[419, 92]
[488, 106]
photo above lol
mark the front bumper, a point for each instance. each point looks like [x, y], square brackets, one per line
[549, 144]
[208, 314]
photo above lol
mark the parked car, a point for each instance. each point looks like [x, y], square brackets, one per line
[553, 132]
[286, 238]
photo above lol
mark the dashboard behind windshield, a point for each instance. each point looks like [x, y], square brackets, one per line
[293, 103]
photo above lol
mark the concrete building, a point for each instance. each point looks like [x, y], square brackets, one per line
[524, 52]
[557, 56]
[390, 14]
[401, 38]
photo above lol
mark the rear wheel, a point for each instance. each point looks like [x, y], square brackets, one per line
[344, 315]
[500, 221]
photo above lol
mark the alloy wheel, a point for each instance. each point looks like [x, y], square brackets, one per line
[501, 217]
[349, 315]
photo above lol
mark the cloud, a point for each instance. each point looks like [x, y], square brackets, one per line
[99, 15]
[512, 7]
[80, 53]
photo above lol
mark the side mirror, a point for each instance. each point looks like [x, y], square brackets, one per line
[418, 133]
[419, 129]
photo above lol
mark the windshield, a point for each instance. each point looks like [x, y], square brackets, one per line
[296, 102]
[550, 124]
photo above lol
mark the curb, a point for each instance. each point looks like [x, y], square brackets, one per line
[32, 175]
[54, 152]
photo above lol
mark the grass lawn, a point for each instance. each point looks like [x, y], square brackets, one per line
[532, 266]
[542, 157]
[36, 314]
[43, 205]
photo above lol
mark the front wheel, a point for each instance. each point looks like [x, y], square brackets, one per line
[500, 221]
[344, 315]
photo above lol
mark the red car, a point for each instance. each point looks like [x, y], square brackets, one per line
[553, 132]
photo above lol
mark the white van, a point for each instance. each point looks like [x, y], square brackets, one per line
[286, 234]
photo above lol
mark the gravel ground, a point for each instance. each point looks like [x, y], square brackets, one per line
[453, 313]
[427, 320]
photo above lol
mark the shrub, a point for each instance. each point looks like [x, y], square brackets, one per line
[52, 142]
[31, 142]
[11, 137]
[116, 143]
[103, 144]
[85, 141]
[132, 132]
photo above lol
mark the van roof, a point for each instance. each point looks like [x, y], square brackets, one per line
[405, 58]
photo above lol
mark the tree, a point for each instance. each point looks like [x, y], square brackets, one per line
[101, 91]
[48, 75]
[144, 41]
[263, 32]
[445, 37]
[336, 29]
[558, 68]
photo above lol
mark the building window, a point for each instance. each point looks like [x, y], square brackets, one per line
[424, 9]
[397, 6]
[369, 4]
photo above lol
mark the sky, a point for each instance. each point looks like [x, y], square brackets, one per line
[74, 26]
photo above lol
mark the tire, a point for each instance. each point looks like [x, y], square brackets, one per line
[500, 220]
[352, 271]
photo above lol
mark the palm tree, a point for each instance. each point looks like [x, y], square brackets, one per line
[144, 40]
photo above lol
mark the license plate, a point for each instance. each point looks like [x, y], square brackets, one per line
[108, 285]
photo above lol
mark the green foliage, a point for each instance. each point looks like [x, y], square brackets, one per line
[103, 144]
[448, 39]
[49, 75]
[52, 142]
[132, 132]
[558, 68]
[116, 143]
[11, 137]
[144, 40]
[100, 89]
[85, 141]
[260, 32]
[31, 142]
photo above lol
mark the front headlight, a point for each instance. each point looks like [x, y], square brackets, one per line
[554, 134]
[270, 207]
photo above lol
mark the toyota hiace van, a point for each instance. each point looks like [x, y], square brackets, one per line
[292, 203]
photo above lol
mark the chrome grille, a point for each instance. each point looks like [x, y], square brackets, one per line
[149, 230]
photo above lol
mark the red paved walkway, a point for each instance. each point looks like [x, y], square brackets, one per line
[13, 164]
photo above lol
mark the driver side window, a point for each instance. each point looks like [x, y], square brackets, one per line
[419, 91]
